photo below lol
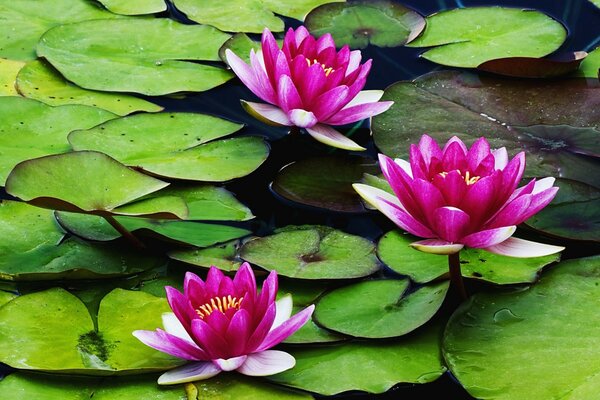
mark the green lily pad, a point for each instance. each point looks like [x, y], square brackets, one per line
[467, 37]
[505, 345]
[83, 181]
[223, 256]
[5, 297]
[23, 22]
[509, 112]
[67, 340]
[590, 67]
[134, 7]
[241, 45]
[246, 15]
[32, 129]
[8, 76]
[379, 308]
[393, 249]
[596, 3]
[358, 23]
[40, 81]
[168, 207]
[324, 182]
[175, 146]
[148, 56]
[313, 252]
[532, 67]
[370, 366]
[573, 214]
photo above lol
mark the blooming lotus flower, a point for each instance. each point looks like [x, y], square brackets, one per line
[224, 325]
[456, 197]
[308, 84]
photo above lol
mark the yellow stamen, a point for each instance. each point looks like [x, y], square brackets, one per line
[328, 70]
[218, 303]
[469, 180]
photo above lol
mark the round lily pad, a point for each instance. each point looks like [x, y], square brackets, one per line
[134, 7]
[393, 249]
[32, 129]
[149, 56]
[358, 23]
[324, 182]
[8, 76]
[531, 67]
[313, 252]
[590, 67]
[505, 345]
[40, 81]
[379, 308]
[223, 256]
[467, 37]
[370, 366]
[67, 340]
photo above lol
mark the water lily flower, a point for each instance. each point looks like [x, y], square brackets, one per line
[224, 324]
[309, 84]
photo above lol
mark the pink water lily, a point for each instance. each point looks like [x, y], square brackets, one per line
[456, 197]
[224, 324]
[309, 84]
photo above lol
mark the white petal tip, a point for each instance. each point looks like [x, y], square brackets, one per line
[520, 248]
[434, 246]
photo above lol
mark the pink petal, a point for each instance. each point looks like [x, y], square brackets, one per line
[500, 157]
[300, 34]
[266, 113]
[512, 213]
[262, 328]
[238, 332]
[267, 362]
[342, 58]
[287, 328]
[418, 166]
[212, 342]
[479, 150]
[480, 198]
[329, 136]
[451, 223]
[454, 156]
[249, 77]
[270, 287]
[270, 49]
[330, 102]
[358, 82]
[283, 310]
[189, 373]
[365, 96]
[287, 94]
[218, 322]
[428, 197]
[453, 187]
[488, 237]
[280, 68]
[429, 149]
[514, 247]
[181, 306]
[354, 61]
[359, 112]
[325, 42]
[192, 283]
[538, 202]
[436, 246]
[262, 79]
[513, 173]
[312, 81]
[302, 118]
[405, 165]
[451, 141]
[244, 280]
[173, 345]
[174, 327]
[230, 364]
[213, 281]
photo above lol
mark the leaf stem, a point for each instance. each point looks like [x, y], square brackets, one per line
[124, 232]
[455, 274]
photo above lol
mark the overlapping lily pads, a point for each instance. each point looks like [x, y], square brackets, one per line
[30, 129]
[223, 256]
[505, 345]
[531, 67]
[175, 145]
[148, 56]
[393, 249]
[8, 76]
[467, 37]
[358, 23]
[40, 81]
[67, 340]
[134, 7]
[313, 252]
[324, 182]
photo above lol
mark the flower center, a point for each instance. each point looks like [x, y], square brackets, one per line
[219, 303]
[469, 180]
[328, 70]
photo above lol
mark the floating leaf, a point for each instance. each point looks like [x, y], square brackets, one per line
[450, 103]
[371, 366]
[40, 81]
[134, 7]
[379, 308]
[149, 56]
[8, 76]
[223, 256]
[67, 340]
[393, 249]
[313, 252]
[174, 146]
[241, 45]
[505, 345]
[246, 15]
[467, 37]
[358, 23]
[324, 182]
[30, 129]
[531, 67]
[590, 67]
[82, 181]
[5, 297]
[23, 22]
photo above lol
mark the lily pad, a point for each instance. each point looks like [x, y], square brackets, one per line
[67, 341]
[531, 67]
[393, 249]
[8, 76]
[241, 45]
[505, 345]
[358, 23]
[40, 81]
[31, 129]
[83, 181]
[148, 56]
[223, 256]
[573, 214]
[313, 252]
[458, 103]
[23, 22]
[468, 37]
[175, 146]
[134, 7]
[590, 67]
[5, 297]
[324, 182]
[379, 308]
[330, 370]
[246, 15]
